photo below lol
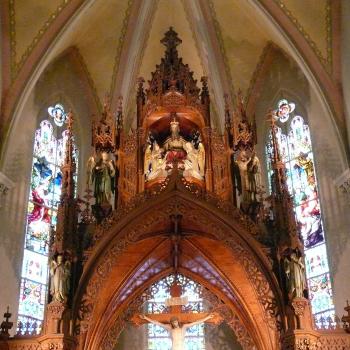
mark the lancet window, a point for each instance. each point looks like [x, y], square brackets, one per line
[159, 337]
[295, 148]
[44, 196]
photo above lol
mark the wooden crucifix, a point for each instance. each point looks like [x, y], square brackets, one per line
[176, 321]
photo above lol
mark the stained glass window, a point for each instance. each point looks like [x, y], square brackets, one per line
[158, 337]
[45, 190]
[295, 147]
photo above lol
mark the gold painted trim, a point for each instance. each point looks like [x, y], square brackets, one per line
[89, 79]
[218, 32]
[188, 19]
[121, 41]
[130, 108]
[326, 61]
[17, 65]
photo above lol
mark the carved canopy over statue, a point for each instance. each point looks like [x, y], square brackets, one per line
[173, 115]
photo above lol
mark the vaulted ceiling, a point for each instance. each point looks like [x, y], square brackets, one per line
[118, 40]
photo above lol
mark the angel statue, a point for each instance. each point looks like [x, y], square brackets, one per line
[254, 177]
[60, 274]
[295, 270]
[147, 160]
[101, 174]
[242, 165]
[192, 162]
[154, 162]
[201, 158]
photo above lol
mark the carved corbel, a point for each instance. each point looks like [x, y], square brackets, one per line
[343, 182]
[5, 185]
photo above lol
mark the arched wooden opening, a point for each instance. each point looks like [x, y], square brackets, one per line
[218, 250]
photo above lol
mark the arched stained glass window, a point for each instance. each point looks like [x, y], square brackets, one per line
[45, 190]
[158, 337]
[295, 147]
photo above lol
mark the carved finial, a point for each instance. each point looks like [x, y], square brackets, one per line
[283, 204]
[104, 131]
[140, 91]
[171, 40]
[240, 105]
[276, 157]
[120, 113]
[6, 325]
[106, 102]
[205, 90]
[68, 167]
[70, 122]
[228, 120]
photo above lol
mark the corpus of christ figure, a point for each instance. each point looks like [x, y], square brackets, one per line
[177, 322]
[176, 329]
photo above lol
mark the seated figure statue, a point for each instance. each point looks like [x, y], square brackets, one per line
[174, 147]
[158, 161]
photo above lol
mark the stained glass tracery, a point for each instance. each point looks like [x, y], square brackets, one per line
[295, 147]
[44, 197]
[158, 337]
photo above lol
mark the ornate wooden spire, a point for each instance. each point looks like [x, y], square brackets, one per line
[104, 131]
[66, 213]
[172, 73]
[282, 200]
[171, 41]
[69, 166]
[243, 130]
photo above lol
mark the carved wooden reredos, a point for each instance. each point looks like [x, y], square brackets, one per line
[174, 197]
[174, 214]
[172, 98]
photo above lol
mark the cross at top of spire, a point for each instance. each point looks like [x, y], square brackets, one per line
[171, 40]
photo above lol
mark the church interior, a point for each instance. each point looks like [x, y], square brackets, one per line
[175, 175]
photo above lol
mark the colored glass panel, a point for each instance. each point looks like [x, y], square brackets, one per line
[159, 337]
[295, 147]
[320, 293]
[34, 266]
[38, 228]
[44, 197]
[316, 261]
[32, 299]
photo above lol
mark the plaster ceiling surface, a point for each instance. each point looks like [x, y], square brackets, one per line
[30, 17]
[242, 39]
[99, 34]
[97, 38]
[313, 16]
[170, 13]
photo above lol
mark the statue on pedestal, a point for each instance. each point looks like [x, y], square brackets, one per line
[295, 271]
[60, 275]
[242, 163]
[101, 175]
[254, 177]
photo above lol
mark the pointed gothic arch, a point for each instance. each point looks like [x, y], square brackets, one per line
[138, 245]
